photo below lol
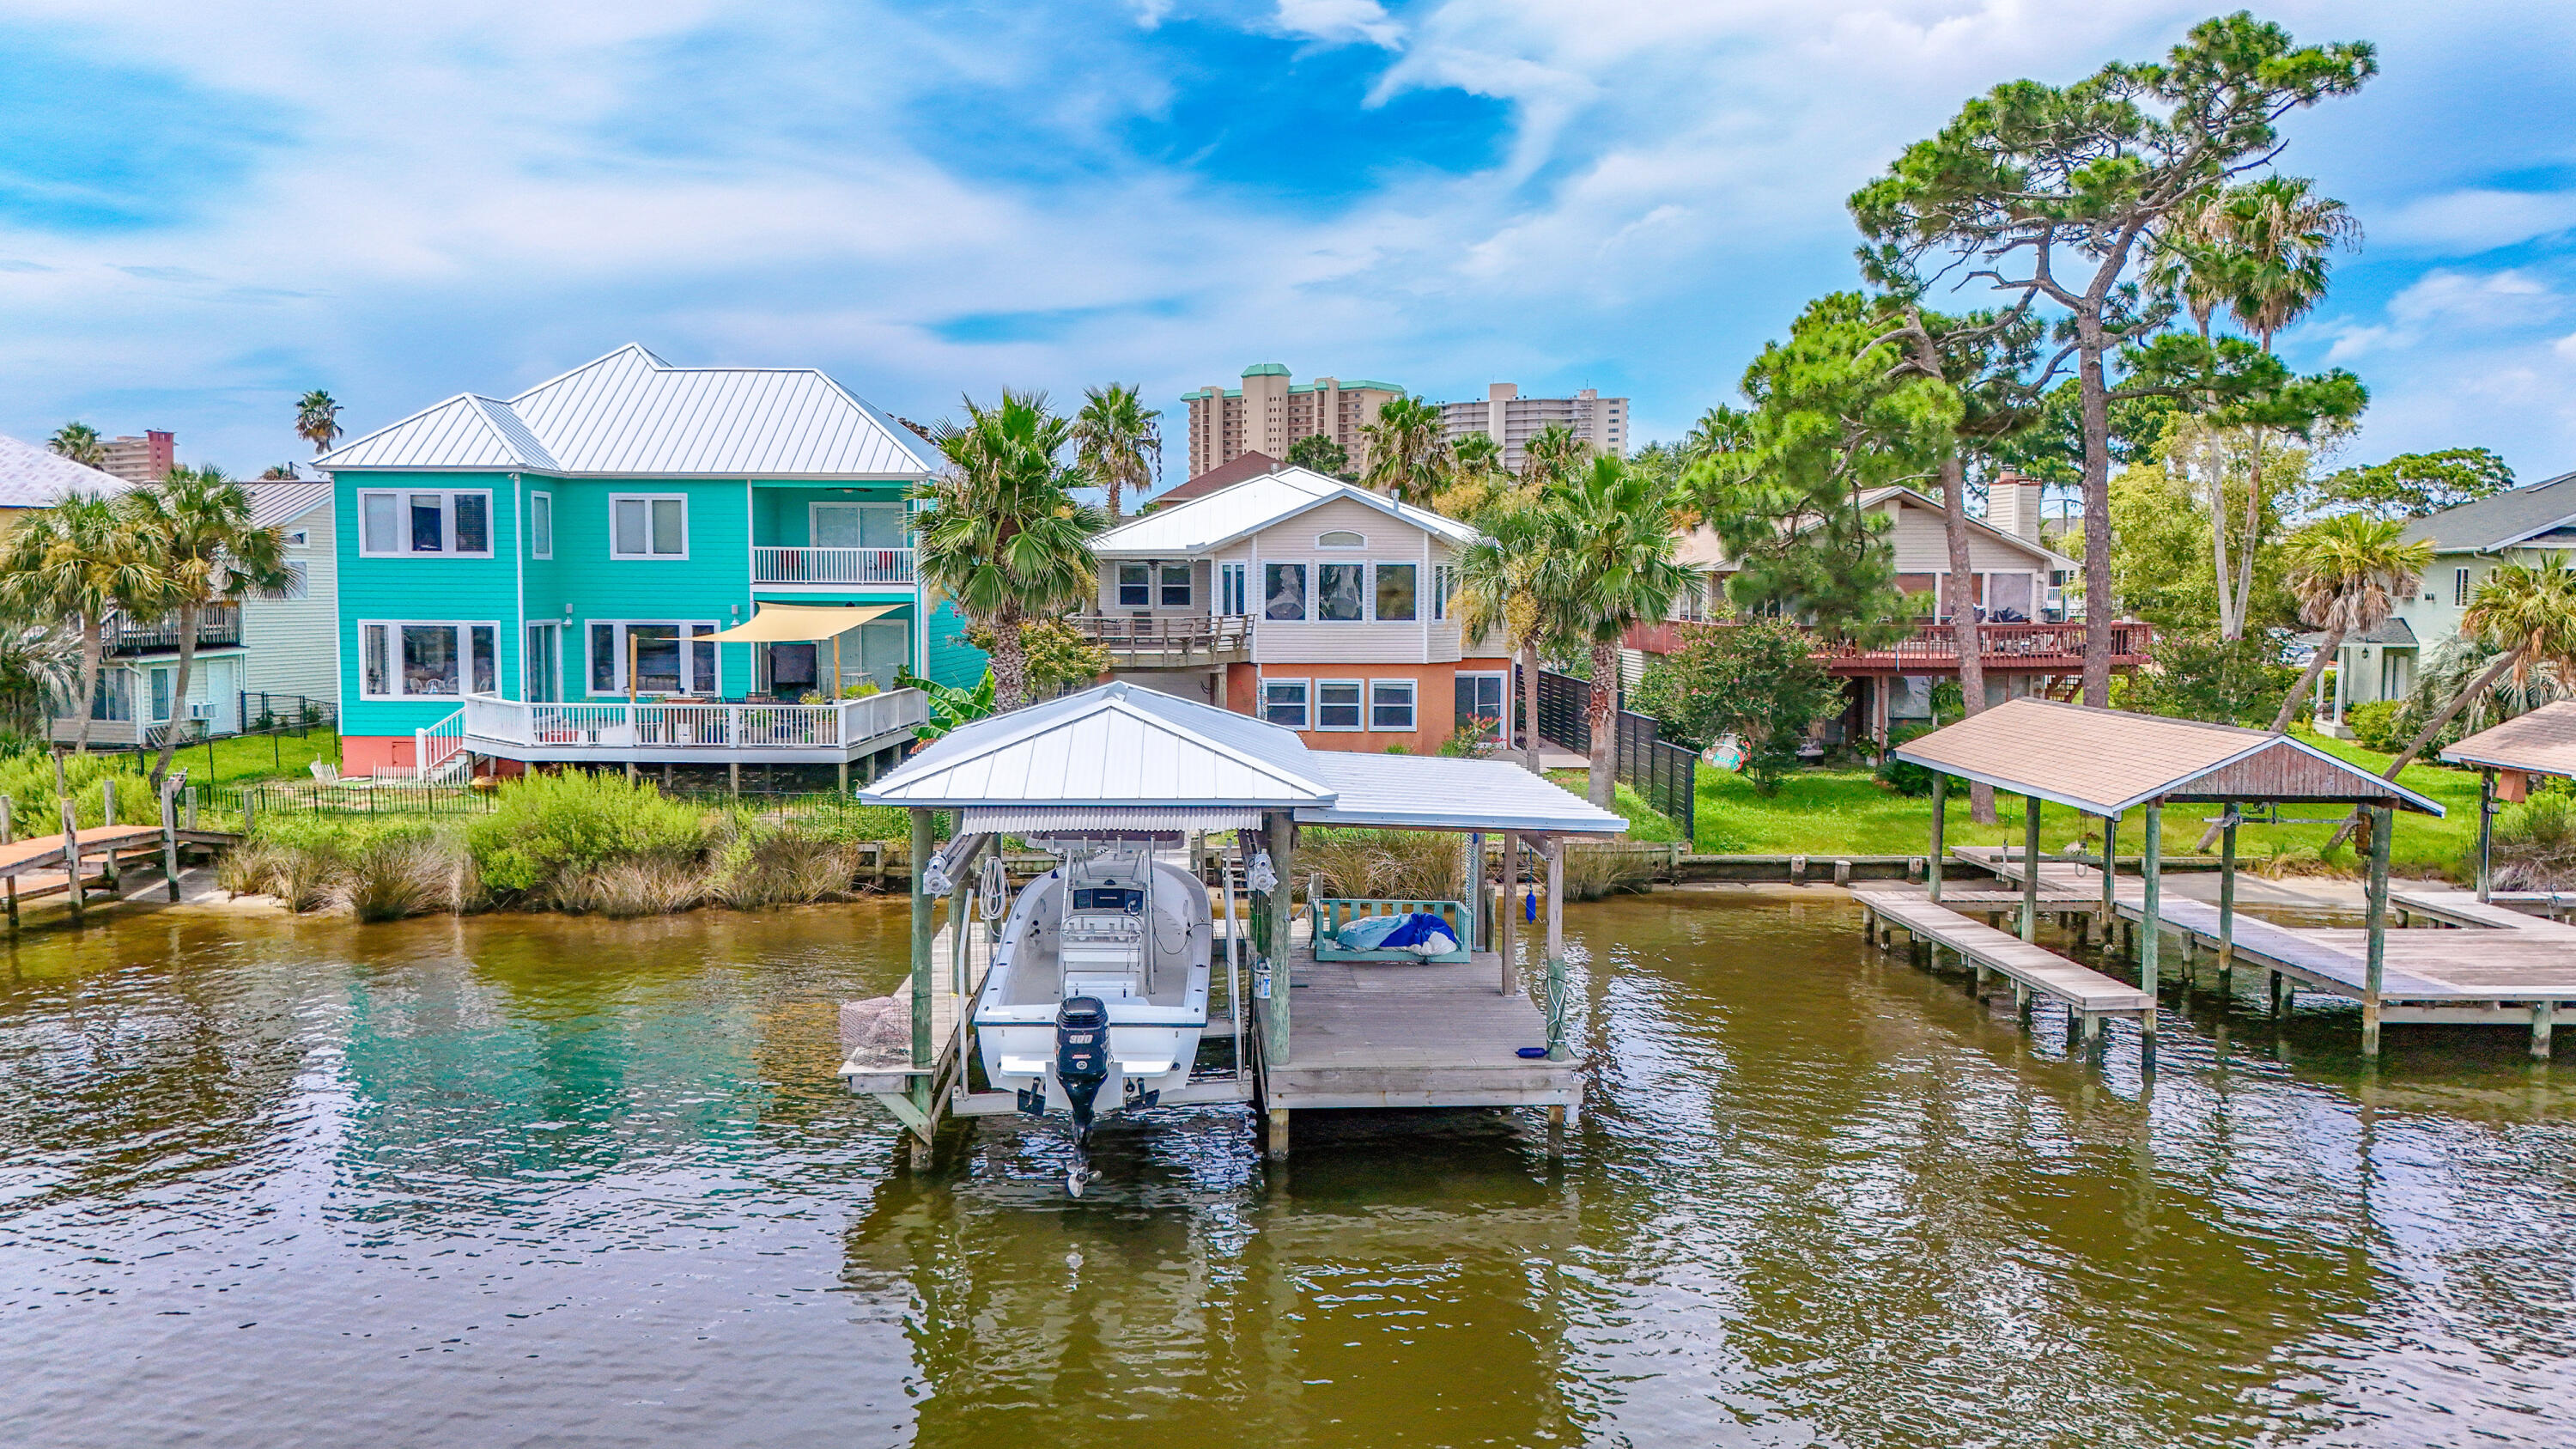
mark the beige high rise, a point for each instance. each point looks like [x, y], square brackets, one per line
[1511, 419]
[1269, 412]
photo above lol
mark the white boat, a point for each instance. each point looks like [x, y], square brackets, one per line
[1098, 991]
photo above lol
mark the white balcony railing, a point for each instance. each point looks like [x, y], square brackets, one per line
[609, 730]
[836, 566]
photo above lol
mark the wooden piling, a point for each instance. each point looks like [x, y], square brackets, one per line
[170, 839]
[2541, 1012]
[2030, 868]
[1556, 1050]
[1932, 862]
[1511, 937]
[71, 857]
[2150, 930]
[2381, 818]
[2227, 905]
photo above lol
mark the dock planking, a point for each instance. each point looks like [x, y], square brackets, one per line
[2086, 992]
[1406, 1034]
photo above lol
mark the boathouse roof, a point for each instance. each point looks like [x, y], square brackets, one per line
[1125, 757]
[2542, 742]
[2104, 761]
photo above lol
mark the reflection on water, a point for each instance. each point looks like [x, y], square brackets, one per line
[513, 1181]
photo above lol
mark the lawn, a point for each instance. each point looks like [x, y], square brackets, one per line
[242, 758]
[1847, 812]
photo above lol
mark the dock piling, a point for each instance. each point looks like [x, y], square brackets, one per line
[2030, 868]
[2227, 906]
[170, 839]
[71, 857]
[2381, 827]
[2541, 1012]
[1556, 948]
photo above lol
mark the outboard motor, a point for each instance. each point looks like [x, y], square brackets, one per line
[1081, 1067]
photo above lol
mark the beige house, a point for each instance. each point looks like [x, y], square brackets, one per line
[1304, 600]
[2018, 578]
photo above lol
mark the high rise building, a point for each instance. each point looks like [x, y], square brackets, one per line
[1511, 419]
[1269, 412]
[147, 459]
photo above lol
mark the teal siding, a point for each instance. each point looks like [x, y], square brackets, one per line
[423, 589]
[953, 661]
[779, 514]
[711, 584]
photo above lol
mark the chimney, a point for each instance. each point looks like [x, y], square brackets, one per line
[2012, 505]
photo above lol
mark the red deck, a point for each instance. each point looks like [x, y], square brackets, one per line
[1933, 648]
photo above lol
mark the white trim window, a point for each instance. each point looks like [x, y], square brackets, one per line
[1230, 588]
[648, 525]
[541, 525]
[1341, 593]
[1444, 582]
[661, 665]
[1337, 704]
[1341, 538]
[427, 658]
[299, 538]
[1480, 699]
[1391, 704]
[2460, 587]
[1397, 597]
[403, 523]
[1175, 590]
[1283, 591]
[1135, 586]
[1285, 702]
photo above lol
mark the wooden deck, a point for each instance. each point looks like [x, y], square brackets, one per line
[1397, 1034]
[2426, 976]
[2034, 970]
[2463, 908]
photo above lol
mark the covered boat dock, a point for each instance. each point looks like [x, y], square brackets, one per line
[1124, 761]
[2112, 763]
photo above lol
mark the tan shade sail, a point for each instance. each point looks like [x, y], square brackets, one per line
[801, 623]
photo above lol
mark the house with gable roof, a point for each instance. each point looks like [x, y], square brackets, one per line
[1305, 601]
[514, 571]
[2525, 525]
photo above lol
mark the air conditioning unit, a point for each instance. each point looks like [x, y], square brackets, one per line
[203, 709]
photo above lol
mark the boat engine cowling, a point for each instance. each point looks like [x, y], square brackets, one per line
[1081, 1054]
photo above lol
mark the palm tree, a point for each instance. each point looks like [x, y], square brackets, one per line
[75, 561]
[1498, 588]
[1477, 481]
[1114, 437]
[1004, 536]
[39, 664]
[279, 473]
[1553, 454]
[317, 420]
[2348, 572]
[80, 443]
[195, 530]
[2525, 612]
[1408, 450]
[1608, 562]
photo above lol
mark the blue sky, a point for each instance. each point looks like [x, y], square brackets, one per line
[206, 209]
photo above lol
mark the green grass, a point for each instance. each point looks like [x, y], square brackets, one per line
[1847, 812]
[243, 758]
[1645, 822]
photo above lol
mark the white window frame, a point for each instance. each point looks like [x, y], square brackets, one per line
[1359, 701]
[1368, 598]
[393, 656]
[1145, 585]
[2459, 588]
[814, 520]
[689, 635]
[1358, 540]
[650, 555]
[299, 538]
[447, 522]
[1502, 693]
[1415, 567]
[1305, 702]
[1444, 581]
[541, 525]
[1305, 590]
[1232, 589]
[1163, 585]
[1412, 706]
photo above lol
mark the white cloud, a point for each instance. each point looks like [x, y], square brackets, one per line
[1340, 20]
[2477, 219]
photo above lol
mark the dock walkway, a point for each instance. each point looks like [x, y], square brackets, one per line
[2463, 908]
[1415, 1034]
[2089, 996]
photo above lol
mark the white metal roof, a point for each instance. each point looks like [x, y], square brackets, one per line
[1055, 766]
[32, 477]
[632, 414]
[274, 501]
[1201, 525]
[1436, 793]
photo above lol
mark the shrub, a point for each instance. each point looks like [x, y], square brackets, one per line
[1594, 871]
[2535, 845]
[2375, 725]
[403, 875]
[1758, 680]
[638, 887]
[1473, 739]
[549, 828]
[1896, 774]
[763, 865]
[1381, 864]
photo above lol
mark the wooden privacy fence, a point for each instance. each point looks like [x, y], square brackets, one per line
[1664, 773]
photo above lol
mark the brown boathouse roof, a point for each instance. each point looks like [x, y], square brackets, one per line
[2542, 742]
[2104, 761]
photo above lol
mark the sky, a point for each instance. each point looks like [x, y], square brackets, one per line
[206, 209]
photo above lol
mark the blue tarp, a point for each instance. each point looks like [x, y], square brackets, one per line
[1418, 931]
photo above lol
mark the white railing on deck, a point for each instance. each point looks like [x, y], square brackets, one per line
[610, 728]
[831, 565]
[438, 752]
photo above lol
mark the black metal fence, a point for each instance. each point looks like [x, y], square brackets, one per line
[1665, 774]
[356, 797]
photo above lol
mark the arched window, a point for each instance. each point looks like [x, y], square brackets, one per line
[1341, 538]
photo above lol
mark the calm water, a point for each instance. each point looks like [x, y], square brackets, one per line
[547, 1182]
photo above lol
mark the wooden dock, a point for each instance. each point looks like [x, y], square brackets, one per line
[1414, 1034]
[2034, 970]
[38, 867]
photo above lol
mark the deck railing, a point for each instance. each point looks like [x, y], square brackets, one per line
[1934, 648]
[831, 565]
[218, 627]
[1168, 640]
[612, 728]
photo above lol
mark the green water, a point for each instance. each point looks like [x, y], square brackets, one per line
[513, 1181]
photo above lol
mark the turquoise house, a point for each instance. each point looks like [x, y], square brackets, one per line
[573, 574]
